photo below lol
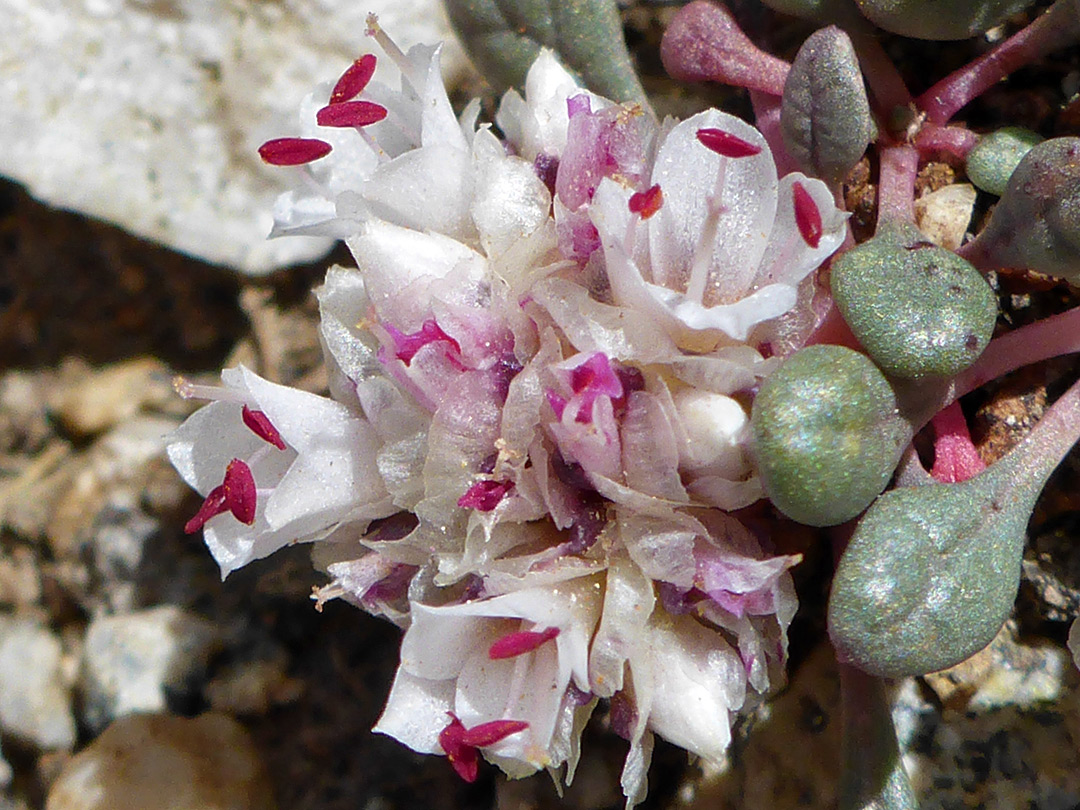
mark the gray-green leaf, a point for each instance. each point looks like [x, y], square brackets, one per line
[503, 38]
[825, 115]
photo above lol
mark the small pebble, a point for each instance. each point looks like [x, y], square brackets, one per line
[35, 698]
[161, 762]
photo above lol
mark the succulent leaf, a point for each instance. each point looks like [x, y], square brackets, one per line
[919, 310]
[1036, 224]
[825, 115]
[827, 12]
[505, 36]
[931, 571]
[995, 156]
[827, 434]
[939, 19]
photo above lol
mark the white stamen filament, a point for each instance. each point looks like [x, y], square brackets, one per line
[212, 393]
[397, 56]
[703, 255]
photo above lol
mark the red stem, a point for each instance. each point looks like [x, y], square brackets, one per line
[896, 184]
[1057, 28]
[956, 141]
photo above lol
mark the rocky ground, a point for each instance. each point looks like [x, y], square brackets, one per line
[109, 612]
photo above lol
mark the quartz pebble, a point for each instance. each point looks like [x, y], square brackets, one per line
[138, 661]
[35, 697]
[165, 763]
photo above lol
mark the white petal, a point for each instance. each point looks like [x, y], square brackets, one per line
[415, 712]
[425, 189]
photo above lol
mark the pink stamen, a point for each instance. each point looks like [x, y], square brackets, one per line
[213, 506]
[354, 79]
[293, 151]
[807, 215]
[460, 744]
[236, 494]
[515, 644]
[350, 114]
[492, 732]
[483, 496]
[239, 486]
[259, 424]
[646, 203]
[726, 144]
[463, 758]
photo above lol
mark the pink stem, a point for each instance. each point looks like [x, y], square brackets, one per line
[956, 141]
[955, 456]
[767, 120]
[886, 84]
[896, 184]
[1057, 28]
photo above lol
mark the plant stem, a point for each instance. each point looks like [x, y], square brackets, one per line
[885, 82]
[896, 184]
[957, 141]
[1056, 29]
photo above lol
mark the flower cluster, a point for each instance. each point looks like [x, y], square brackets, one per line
[535, 443]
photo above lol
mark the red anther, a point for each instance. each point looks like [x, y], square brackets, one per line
[463, 758]
[483, 496]
[492, 732]
[726, 144]
[647, 202]
[354, 79]
[409, 345]
[239, 486]
[293, 151]
[350, 114]
[213, 506]
[515, 644]
[259, 424]
[807, 215]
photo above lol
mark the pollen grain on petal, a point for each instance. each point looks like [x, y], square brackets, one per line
[350, 114]
[515, 644]
[807, 215]
[726, 144]
[648, 202]
[293, 151]
[259, 424]
[354, 79]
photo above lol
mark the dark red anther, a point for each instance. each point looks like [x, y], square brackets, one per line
[460, 744]
[354, 79]
[350, 114]
[463, 758]
[807, 215]
[293, 151]
[213, 506]
[259, 424]
[485, 495]
[647, 202]
[236, 494]
[515, 644]
[240, 494]
[726, 144]
[492, 732]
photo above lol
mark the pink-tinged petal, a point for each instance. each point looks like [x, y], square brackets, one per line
[350, 114]
[213, 506]
[807, 215]
[515, 644]
[955, 456]
[726, 144]
[483, 496]
[293, 151]
[239, 489]
[646, 203]
[259, 424]
[596, 377]
[492, 732]
[354, 79]
[407, 345]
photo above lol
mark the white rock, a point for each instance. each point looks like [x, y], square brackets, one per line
[148, 113]
[35, 698]
[133, 662]
[165, 763]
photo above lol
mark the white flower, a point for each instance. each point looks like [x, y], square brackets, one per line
[539, 371]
